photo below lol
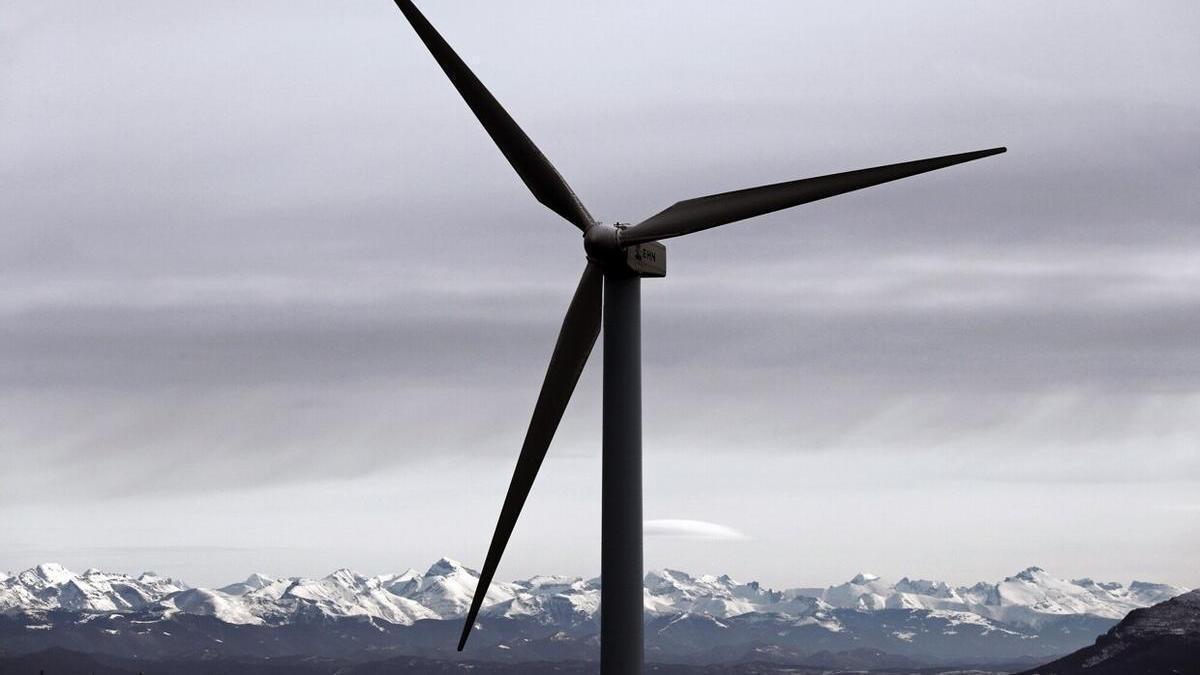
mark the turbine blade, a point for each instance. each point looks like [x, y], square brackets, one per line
[575, 341]
[540, 176]
[703, 213]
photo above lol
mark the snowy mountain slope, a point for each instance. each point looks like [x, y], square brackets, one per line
[347, 593]
[1163, 638]
[447, 588]
[51, 586]
[671, 591]
[202, 602]
[254, 582]
[1029, 598]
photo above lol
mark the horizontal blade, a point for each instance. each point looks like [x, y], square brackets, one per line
[575, 341]
[702, 213]
[539, 175]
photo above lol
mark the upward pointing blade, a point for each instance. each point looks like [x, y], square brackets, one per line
[703, 213]
[575, 340]
[538, 173]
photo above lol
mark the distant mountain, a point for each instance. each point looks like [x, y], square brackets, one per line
[53, 587]
[705, 619]
[1164, 639]
[1029, 598]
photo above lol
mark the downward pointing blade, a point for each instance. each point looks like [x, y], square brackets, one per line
[703, 213]
[540, 176]
[575, 341]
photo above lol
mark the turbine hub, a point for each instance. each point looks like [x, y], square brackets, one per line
[602, 243]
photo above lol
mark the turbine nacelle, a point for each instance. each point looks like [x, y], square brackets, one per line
[602, 243]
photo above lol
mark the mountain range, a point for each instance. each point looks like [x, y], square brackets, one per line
[1030, 616]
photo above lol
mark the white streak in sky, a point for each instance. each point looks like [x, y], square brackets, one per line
[689, 529]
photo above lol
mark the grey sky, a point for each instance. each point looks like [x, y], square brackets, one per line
[270, 299]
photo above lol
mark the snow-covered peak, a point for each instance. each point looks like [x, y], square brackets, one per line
[937, 589]
[865, 591]
[51, 586]
[1035, 590]
[346, 577]
[340, 594]
[48, 573]
[254, 582]
[407, 574]
[445, 567]
[154, 579]
[1029, 597]
[671, 591]
[216, 604]
[1030, 574]
[258, 580]
[448, 587]
[1145, 593]
[665, 581]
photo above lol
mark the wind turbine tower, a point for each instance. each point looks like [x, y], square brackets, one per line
[609, 297]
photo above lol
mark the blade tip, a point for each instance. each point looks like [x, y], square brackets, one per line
[462, 639]
[980, 154]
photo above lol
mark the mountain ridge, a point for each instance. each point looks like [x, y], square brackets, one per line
[1029, 617]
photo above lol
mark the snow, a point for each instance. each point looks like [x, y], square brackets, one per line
[212, 603]
[1030, 597]
[445, 590]
[52, 573]
[254, 582]
[51, 586]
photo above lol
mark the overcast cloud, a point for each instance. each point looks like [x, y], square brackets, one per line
[270, 299]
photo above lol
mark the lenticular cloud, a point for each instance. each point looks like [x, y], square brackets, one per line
[689, 529]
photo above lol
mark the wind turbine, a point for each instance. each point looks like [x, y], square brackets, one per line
[609, 293]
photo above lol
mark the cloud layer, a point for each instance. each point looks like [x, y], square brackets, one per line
[265, 253]
[690, 529]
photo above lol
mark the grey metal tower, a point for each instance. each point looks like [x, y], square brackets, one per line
[609, 293]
